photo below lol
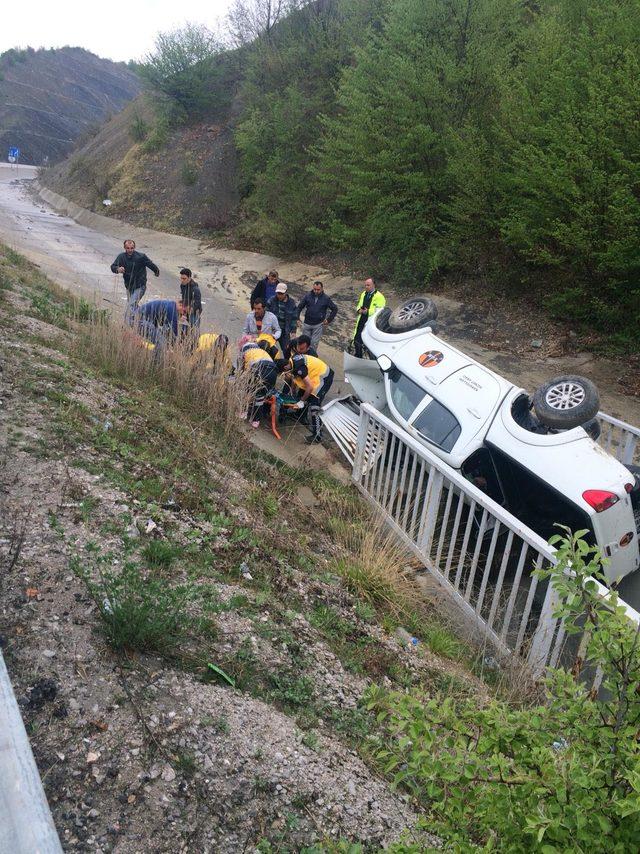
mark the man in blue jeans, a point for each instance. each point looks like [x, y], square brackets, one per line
[157, 322]
[133, 267]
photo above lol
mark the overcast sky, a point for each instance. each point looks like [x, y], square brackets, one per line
[116, 29]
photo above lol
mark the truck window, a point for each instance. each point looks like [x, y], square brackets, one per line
[438, 425]
[405, 394]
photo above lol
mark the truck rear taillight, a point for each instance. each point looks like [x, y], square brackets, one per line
[600, 499]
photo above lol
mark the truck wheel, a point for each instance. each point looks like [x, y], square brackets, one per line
[413, 313]
[566, 402]
[382, 319]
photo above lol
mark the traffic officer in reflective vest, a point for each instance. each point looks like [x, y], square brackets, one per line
[313, 378]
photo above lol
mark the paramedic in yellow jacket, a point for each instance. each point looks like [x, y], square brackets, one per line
[213, 351]
[313, 379]
[370, 301]
[265, 373]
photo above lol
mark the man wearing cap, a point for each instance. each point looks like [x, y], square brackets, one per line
[320, 312]
[370, 301]
[313, 379]
[265, 289]
[286, 310]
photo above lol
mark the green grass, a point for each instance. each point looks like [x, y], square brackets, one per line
[160, 554]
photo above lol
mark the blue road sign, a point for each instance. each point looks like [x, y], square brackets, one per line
[14, 152]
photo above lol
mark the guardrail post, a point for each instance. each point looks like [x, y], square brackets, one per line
[432, 503]
[358, 457]
[542, 642]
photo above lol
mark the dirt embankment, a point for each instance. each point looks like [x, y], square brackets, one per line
[187, 186]
[122, 518]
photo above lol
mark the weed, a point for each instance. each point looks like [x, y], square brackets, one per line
[160, 553]
[291, 689]
[188, 172]
[441, 641]
[139, 613]
[186, 763]
[310, 739]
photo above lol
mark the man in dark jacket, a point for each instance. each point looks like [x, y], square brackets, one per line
[157, 322]
[286, 310]
[133, 266]
[191, 299]
[265, 289]
[320, 312]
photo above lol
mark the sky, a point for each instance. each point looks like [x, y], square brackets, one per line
[114, 29]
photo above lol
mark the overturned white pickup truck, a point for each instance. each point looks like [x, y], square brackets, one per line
[536, 457]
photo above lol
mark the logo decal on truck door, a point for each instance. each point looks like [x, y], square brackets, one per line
[431, 359]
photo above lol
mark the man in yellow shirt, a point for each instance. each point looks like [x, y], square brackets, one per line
[313, 379]
[253, 358]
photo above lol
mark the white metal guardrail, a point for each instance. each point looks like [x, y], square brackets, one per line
[26, 826]
[620, 439]
[481, 554]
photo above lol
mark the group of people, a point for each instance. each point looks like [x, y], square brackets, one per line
[269, 346]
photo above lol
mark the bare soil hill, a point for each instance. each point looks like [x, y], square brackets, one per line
[49, 99]
[183, 180]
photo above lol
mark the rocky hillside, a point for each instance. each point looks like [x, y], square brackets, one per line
[49, 99]
[181, 179]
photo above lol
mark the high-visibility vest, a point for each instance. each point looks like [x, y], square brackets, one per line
[255, 354]
[318, 371]
[377, 301]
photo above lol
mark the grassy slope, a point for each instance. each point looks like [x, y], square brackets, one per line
[95, 454]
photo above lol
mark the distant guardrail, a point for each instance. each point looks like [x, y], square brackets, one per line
[26, 826]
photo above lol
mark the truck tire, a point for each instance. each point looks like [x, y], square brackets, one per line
[382, 319]
[566, 402]
[412, 314]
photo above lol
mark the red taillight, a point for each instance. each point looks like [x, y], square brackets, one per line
[600, 499]
[628, 487]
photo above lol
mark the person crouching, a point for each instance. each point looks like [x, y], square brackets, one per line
[313, 379]
[264, 374]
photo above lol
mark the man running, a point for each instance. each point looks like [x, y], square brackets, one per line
[133, 267]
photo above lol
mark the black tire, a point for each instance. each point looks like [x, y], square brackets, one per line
[566, 402]
[382, 319]
[413, 313]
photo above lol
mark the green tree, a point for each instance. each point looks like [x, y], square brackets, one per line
[289, 82]
[189, 69]
[569, 197]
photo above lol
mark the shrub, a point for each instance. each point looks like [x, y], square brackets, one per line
[138, 129]
[188, 172]
[561, 776]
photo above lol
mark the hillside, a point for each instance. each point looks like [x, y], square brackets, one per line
[360, 131]
[49, 99]
[187, 184]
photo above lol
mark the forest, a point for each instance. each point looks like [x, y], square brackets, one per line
[494, 141]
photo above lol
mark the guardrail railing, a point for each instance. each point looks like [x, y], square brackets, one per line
[26, 826]
[620, 439]
[480, 553]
